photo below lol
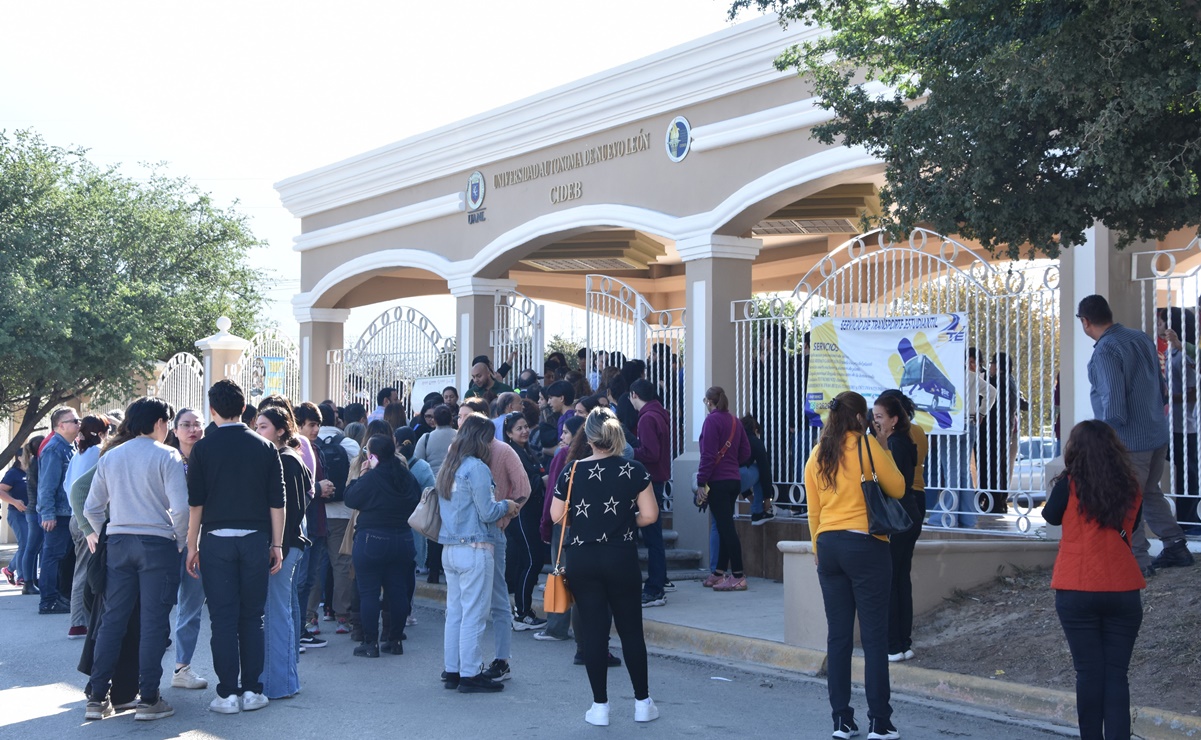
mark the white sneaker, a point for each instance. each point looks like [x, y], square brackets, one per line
[598, 715]
[186, 678]
[896, 657]
[252, 701]
[410, 620]
[228, 705]
[909, 654]
[645, 710]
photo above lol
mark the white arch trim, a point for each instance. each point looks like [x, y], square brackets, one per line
[386, 259]
[694, 227]
[622, 216]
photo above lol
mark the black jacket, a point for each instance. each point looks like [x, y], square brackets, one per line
[298, 481]
[385, 496]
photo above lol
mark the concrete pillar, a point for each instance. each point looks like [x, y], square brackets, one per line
[321, 330]
[218, 351]
[717, 272]
[475, 316]
[1095, 267]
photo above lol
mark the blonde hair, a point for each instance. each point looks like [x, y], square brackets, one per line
[604, 431]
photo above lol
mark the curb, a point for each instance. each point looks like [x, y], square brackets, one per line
[1058, 707]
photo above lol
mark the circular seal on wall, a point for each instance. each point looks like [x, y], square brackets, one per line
[679, 139]
[475, 191]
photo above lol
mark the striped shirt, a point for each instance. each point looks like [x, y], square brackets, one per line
[1127, 388]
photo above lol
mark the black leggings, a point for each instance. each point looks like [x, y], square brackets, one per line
[603, 578]
[525, 555]
[722, 495]
[900, 602]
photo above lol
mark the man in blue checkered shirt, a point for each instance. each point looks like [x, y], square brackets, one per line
[1128, 394]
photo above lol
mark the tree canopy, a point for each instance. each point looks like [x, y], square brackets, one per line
[102, 274]
[1018, 123]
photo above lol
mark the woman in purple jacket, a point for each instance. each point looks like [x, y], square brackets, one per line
[723, 447]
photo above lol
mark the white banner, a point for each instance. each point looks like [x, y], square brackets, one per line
[923, 356]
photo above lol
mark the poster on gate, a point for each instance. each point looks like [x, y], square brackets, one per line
[275, 373]
[923, 356]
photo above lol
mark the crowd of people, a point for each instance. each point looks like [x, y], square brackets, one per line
[285, 519]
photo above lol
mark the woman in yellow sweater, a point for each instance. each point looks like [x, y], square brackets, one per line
[853, 567]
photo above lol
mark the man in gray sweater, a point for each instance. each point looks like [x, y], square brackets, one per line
[141, 483]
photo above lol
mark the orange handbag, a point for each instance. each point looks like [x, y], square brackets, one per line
[556, 598]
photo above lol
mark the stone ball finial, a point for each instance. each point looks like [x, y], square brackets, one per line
[223, 324]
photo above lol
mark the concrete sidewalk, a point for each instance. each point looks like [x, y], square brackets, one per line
[748, 628]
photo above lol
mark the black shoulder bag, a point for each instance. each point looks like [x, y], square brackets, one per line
[885, 515]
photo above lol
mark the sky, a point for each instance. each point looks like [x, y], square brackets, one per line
[236, 96]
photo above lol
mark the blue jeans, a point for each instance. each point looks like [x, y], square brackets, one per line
[855, 573]
[383, 558]
[311, 575]
[501, 614]
[656, 553]
[187, 619]
[32, 551]
[469, 575]
[1101, 629]
[54, 547]
[235, 583]
[16, 520]
[749, 478]
[280, 677]
[950, 460]
[142, 569]
[421, 546]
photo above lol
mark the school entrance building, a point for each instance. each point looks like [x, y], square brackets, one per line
[681, 201]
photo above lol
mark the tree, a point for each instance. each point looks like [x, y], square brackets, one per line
[101, 275]
[1018, 123]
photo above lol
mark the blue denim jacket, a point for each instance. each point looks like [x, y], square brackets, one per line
[52, 474]
[471, 513]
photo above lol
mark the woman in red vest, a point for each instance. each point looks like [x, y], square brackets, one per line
[1097, 581]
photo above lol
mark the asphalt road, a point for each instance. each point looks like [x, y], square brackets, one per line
[348, 697]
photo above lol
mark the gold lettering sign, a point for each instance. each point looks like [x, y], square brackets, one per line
[640, 142]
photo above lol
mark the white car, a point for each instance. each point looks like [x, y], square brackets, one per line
[1028, 470]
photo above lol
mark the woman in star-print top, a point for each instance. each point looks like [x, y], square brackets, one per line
[604, 498]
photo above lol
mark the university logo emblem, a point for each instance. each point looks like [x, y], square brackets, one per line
[679, 139]
[475, 191]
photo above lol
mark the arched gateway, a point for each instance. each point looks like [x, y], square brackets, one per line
[690, 180]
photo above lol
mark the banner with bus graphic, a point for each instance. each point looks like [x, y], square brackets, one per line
[924, 356]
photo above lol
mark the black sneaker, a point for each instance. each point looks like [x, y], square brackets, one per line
[649, 600]
[450, 680]
[367, 650]
[527, 621]
[845, 728]
[498, 671]
[311, 641]
[479, 685]
[669, 586]
[1148, 571]
[761, 519]
[881, 729]
[1175, 555]
[55, 608]
[392, 647]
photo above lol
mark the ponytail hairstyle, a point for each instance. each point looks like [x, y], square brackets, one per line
[848, 413]
[604, 432]
[92, 431]
[474, 439]
[716, 395]
[1097, 462]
